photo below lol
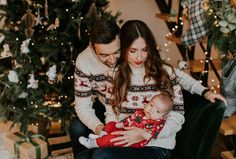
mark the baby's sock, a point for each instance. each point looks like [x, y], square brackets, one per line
[93, 136]
[88, 143]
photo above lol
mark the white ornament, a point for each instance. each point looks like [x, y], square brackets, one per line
[2, 37]
[23, 95]
[3, 2]
[32, 83]
[24, 48]
[182, 65]
[75, 1]
[12, 77]
[6, 51]
[52, 73]
[38, 19]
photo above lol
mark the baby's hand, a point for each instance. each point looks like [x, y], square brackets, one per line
[120, 125]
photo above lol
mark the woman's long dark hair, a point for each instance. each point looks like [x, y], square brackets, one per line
[129, 32]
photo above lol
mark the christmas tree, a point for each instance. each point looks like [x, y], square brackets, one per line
[41, 40]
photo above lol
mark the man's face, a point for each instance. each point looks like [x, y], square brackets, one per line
[108, 54]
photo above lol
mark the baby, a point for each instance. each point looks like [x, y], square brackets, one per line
[152, 118]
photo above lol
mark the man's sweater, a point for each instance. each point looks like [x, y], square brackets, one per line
[90, 81]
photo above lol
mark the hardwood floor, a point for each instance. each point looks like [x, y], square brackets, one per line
[223, 143]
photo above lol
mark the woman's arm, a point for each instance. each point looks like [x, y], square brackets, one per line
[193, 86]
[174, 122]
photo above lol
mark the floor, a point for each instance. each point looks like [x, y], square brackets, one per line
[222, 144]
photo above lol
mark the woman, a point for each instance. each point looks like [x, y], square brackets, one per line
[140, 75]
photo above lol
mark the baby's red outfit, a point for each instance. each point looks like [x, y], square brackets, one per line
[138, 119]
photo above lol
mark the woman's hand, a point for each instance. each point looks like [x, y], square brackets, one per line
[213, 96]
[130, 136]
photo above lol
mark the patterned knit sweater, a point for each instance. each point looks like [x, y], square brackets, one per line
[90, 81]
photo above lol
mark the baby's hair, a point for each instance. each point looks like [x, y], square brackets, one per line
[165, 98]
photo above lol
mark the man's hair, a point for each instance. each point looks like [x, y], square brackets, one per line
[103, 32]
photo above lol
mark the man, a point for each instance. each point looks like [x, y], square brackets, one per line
[90, 79]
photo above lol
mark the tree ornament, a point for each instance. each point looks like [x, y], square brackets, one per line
[60, 77]
[25, 46]
[38, 19]
[29, 20]
[13, 77]
[29, 2]
[182, 65]
[3, 2]
[43, 60]
[15, 64]
[23, 95]
[78, 21]
[52, 73]
[55, 25]
[6, 51]
[92, 13]
[2, 37]
[76, 1]
[32, 83]
[46, 9]
[233, 2]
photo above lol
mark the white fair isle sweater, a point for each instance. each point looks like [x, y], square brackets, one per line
[141, 93]
[90, 81]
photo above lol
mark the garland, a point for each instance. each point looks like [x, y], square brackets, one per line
[222, 24]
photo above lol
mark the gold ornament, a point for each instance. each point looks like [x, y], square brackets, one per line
[233, 2]
[55, 25]
[29, 20]
[60, 77]
[46, 9]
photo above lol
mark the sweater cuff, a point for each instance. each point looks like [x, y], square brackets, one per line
[205, 91]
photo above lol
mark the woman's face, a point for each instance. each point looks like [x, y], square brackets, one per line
[137, 53]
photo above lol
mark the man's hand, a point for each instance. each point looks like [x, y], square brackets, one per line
[98, 129]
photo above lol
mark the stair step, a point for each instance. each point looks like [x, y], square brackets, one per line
[227, 155]
[215, 88]
[198, 65]
[167, 17]
[228, 126]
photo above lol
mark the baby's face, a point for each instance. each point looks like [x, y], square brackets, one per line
[155, 109]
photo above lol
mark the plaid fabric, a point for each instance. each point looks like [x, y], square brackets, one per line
[198, 24]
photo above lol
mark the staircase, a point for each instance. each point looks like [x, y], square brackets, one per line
[198, 68]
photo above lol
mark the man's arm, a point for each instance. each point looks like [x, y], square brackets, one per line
[84, 99]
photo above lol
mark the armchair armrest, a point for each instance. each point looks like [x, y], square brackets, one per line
[202, 122]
